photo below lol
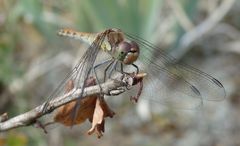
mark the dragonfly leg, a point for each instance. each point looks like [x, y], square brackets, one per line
[102, 63]
[116, 69]
[134, 65]
[106, 69]
[113, 67]
[122, 67]
[98, 65]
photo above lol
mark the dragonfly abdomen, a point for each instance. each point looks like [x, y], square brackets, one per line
[84, 37]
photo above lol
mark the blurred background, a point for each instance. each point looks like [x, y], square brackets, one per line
[33, 60]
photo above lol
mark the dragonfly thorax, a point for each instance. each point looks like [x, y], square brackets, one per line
[125, 51]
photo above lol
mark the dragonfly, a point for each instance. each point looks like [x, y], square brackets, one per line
[175, 84]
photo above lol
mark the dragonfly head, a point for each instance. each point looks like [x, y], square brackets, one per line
[127, 52]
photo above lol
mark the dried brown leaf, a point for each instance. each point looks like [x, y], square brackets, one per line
[101, 111]
[93, 108]
[87, 105]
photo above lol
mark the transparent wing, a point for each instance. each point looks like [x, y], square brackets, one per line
[176, 84]
[168, 88]
[81, 71]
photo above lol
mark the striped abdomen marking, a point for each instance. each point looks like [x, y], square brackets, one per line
[84, 37]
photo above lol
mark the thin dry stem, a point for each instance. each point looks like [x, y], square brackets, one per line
[31, 117]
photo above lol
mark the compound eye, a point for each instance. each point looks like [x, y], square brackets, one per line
[124, 47]
[134, 47]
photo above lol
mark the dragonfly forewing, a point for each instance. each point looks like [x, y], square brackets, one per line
[181, 85]
[81, 71]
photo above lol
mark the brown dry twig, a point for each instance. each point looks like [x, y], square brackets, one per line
[111, 87]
